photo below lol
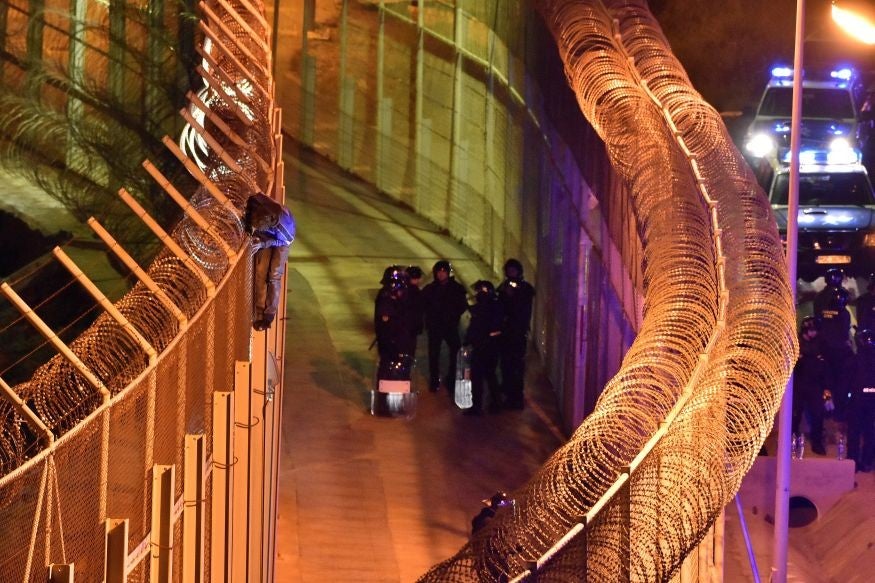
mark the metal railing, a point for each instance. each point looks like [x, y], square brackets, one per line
[147, 449]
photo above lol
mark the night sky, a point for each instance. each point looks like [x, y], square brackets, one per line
[728, 47]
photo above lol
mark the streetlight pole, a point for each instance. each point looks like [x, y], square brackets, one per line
[785, 415]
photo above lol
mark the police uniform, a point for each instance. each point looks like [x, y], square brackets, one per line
[516, 296]
[396, 333]
[866, 307]
[483, 335]
[810, 379]
[443, 304]
[861, 409]
[834, 324]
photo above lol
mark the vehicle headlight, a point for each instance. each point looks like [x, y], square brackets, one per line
[869, 239]
[841, 152]
[760, 145]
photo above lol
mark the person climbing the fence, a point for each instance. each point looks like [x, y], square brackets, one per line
[272, 228]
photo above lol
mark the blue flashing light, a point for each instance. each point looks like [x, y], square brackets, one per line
[844, 74]
[782, 72]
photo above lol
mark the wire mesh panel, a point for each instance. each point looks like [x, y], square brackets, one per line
[115, 409]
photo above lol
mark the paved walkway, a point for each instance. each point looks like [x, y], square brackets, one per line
[366, 498]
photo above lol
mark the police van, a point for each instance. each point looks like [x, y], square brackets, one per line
[836, 114]
[836, 217]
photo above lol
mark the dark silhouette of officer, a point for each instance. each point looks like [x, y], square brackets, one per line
[484, 335]
[395, 331]
[443, 302]
[866, 306]
[272, 228]
[809, 381]
[516, 296]
[861, 408]
[834, 326]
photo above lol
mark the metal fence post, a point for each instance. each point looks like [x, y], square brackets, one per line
[347, 94]
[381, 50]
[257, 446]
[222, 486]
[624, 497]
[163, 494]
[193, 495]
[243, 532]
[419, 96]
[532, 567]
[116, 551]
[59, 573]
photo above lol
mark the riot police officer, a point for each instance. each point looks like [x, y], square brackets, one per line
[833, 278]
[483, 336]
[516, 296]
[810, 380]
[443, 302]
[861, 409]
[866, 306]
[396, 333]
[834, 325]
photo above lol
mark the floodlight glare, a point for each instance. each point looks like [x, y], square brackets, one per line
[854, 23]
[760, 145]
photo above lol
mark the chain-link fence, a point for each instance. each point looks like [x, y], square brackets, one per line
[454, 109]
[458, 109]
[110, 456]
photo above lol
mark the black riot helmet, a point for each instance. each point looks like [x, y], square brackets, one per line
[866, 339]
[808, 324]
[414, 272]
[483, 290]
[513, 269]
[834, 277]
[394, 275]
[442, 265]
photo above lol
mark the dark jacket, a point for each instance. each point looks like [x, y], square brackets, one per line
[866, 311]
[861, 376]
[516, 297]
[416, 307]
[810, 374]
[833, 320]
[395, 331]
[487, 317]
[443, 304]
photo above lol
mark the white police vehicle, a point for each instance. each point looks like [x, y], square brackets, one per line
[836, 218]
[833, 105]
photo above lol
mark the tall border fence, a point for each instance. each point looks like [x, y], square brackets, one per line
[455, 108]
[147, 449]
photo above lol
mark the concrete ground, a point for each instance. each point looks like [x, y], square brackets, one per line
[377, 499]
[42, 212]
[367, 498]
